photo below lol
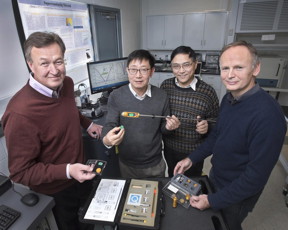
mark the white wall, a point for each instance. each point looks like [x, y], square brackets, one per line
[13, 70]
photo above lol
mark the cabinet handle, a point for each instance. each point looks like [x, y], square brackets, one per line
[278, 70]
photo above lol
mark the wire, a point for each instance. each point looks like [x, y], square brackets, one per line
[13, 188]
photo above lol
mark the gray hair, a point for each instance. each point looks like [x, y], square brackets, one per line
[42, 39]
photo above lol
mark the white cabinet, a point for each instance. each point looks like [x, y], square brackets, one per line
[205, 31]
[164, 32]
[159, 77]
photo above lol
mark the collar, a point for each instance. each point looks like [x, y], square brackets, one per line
[192, 84]
[249, 93]
[42, 88]
[147, 93]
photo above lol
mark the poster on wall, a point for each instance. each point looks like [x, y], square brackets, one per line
[68, 19]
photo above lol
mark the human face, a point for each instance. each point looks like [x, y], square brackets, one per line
[48, 65]
[184, 75]
[237, 72]
[139, 82]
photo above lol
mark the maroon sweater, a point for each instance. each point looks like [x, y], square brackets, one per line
[43, 135]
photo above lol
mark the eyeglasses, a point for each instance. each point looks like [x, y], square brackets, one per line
[142, 71]
[186, 66]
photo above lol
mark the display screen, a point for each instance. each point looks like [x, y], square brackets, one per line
[107, 75]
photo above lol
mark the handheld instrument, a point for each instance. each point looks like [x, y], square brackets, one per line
[137, 115]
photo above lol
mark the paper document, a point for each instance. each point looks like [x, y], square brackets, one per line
[105, 202]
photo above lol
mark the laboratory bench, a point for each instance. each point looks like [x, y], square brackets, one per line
[170, 218]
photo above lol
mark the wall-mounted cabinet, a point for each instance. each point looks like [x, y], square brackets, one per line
[205, 31]
[262, 16]
[164, 32]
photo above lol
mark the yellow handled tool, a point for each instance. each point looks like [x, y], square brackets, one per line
[137, 115]
[130, 114]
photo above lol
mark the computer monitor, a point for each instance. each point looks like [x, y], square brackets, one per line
[104, 76]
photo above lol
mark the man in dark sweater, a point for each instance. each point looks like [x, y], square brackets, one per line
[42, 127]
[246, 141]
[140, 142]
[189, 97]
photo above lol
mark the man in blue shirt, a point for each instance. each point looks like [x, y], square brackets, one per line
[246, 141]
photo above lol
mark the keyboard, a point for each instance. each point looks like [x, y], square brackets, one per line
[7, 216]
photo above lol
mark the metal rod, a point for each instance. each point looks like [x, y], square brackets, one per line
[180, 118]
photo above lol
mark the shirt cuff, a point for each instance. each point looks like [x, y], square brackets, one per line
[89, 126]
[108, 146]
[67, 171]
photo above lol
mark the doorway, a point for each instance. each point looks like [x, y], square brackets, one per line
[106, 32]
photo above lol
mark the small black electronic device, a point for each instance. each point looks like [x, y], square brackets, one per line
[7, 216]
[99, 165]
[180, 188]
[30, 199]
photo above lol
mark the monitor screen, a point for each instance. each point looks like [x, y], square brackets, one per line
[107, 75]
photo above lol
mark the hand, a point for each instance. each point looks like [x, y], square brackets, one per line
[95, 130]
[81, 172]
[182, 166]
[114, 136]
[172, 123]
[201, 126]
[201, 202]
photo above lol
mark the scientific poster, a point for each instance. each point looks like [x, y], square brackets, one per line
[68, 19]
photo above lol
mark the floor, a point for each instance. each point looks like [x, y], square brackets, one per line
[271, 212]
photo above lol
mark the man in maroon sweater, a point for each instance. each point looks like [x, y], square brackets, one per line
[42, 127]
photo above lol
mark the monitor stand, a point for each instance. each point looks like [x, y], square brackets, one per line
[104, 97]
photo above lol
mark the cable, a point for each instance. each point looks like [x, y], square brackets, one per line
[13, 188]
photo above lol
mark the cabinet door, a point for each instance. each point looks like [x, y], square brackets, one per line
[155, 32]
[164, 32]
[173, 31]
[215, 30]
[193, 30]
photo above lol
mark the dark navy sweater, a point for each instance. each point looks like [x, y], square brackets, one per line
[245, 144]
